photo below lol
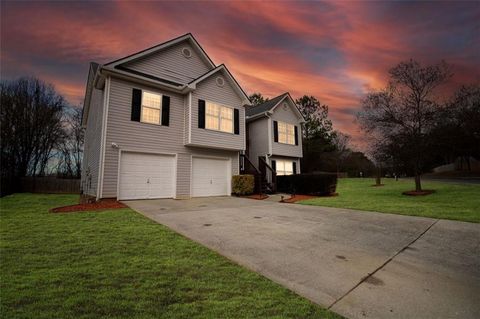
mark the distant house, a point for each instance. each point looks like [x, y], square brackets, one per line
[166, 122]
[274, 134]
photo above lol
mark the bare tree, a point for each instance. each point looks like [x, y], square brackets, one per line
[457, 131]
[31, 126]
[71, 147]
[341, 142]
[403, 114]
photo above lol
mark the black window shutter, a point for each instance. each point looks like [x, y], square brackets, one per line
[294, 166]
[165, 110]
[201, 114]
[296, 135]
[274, 165]
[275, 131]
[236, 123]
[136, 104]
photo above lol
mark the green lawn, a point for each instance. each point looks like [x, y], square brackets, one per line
[118, 264]
[450, 201]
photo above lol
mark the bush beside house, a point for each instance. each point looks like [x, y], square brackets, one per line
[243, 184]
[308, 184]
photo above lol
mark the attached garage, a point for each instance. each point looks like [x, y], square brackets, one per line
[210, 176]
[146, 176]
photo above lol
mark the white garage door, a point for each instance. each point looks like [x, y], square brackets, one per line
[211, 177]
[146, 176]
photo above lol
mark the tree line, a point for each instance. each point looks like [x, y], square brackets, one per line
[41, 134]
[411, 130]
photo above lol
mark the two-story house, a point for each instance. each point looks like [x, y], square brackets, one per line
[274, 134]
[165, 122]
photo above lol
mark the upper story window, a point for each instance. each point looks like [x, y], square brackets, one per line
[151, 108]
[218, 117]
[286, 133]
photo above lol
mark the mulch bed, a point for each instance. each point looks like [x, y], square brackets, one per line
[256, 196]
[422, 193]
[103, 204]
[297, 198]
[375, 185]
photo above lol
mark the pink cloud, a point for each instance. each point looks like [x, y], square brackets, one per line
[336, 51]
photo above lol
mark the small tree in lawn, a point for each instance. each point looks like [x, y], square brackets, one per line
[403, 114]
[378, 154]
[341, 142]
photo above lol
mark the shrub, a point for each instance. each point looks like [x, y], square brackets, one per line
[308, 184]
[243, 184]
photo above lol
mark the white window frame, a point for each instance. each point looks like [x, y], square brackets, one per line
[281, 168]
[219, 117]
[286, 133]
[153, 108]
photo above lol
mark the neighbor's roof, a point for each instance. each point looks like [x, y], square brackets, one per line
[264, 107]
[261, 110]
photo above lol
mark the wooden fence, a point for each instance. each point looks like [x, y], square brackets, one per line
[50, 185]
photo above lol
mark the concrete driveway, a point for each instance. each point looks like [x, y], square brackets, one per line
[359, 264]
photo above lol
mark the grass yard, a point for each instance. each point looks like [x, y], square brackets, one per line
[118, 264]
[450, 201]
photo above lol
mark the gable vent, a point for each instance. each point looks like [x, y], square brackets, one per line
[220, 81]
[186, 52]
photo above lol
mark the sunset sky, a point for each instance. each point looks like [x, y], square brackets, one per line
[336, 51]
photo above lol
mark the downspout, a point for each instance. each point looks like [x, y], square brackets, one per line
[269, 131]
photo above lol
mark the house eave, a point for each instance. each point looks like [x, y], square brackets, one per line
[109, 71]
[252, 118]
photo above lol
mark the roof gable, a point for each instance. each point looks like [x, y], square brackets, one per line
[271, 105]
[264, 107]
[92, 71]
[168, 61]
[224, 71]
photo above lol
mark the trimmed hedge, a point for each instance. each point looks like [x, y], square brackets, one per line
[243, 184]
[308, 184]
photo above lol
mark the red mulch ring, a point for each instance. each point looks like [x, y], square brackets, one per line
[256, 196]
[297, 198]
[103, 204]
[421, 193]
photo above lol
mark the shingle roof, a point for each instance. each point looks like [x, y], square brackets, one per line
[264, 107]
[94, 66]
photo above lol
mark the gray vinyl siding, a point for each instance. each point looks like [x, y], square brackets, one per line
[170, 64]
[91, 155]
[258, 139]
[288, 116]
[150, 138]
[208, 90]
